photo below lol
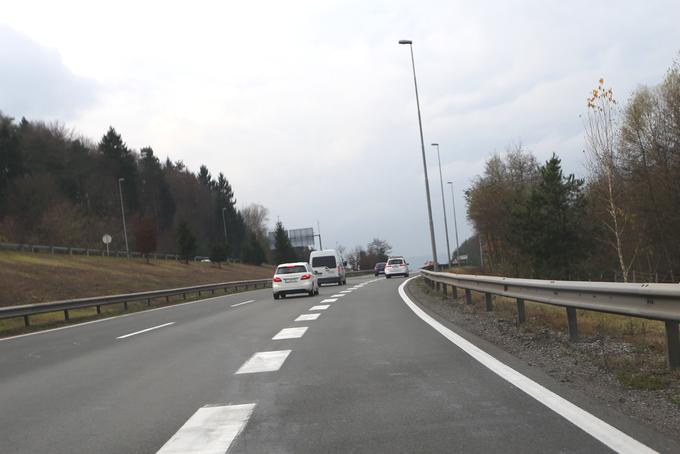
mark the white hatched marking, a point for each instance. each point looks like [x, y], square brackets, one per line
[305, 317]
[320, 307]
[145, 330]
[264, 362]
[210, 430]
[241, 304]
[290, 333]
[329, 300]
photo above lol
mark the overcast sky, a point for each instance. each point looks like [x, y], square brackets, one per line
[309, 108]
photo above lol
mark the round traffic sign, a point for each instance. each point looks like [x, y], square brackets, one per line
[106, 239]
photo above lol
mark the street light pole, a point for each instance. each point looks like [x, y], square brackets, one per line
[122, 210]
[455, 221]
[422, 147]
[224, 224]
[446, 225]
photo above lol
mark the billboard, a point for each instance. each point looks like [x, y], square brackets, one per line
[298, 237]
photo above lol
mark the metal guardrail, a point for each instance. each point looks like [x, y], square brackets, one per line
[66, 305]
[651, 301]
[27, 310]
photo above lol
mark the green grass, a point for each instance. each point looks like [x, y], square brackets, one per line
[642, 380]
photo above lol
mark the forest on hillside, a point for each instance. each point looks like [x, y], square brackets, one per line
[621, 221]
[61, 189]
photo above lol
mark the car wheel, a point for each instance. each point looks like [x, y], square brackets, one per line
[283, 295]
[386, 276]
[311, 293]
[276, 296]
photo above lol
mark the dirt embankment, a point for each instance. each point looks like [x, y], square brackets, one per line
[27, 278]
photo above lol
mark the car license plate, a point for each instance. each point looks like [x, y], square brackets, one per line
[290, 280]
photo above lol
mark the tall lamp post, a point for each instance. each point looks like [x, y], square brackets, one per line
[455, 222]
[224, 224]
[422, 147]
[122, 210]
[446, 224]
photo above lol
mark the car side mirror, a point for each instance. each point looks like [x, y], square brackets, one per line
[317, 273]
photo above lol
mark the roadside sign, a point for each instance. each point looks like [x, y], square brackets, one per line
[106, 239]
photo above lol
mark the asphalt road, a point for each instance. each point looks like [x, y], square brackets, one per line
[367, 375]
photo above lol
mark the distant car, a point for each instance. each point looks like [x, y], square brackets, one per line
[396, 266]
[206, 261]
[292, 278]
[379, 268]
[329, 265]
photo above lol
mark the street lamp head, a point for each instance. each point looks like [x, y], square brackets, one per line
[449, 182]
[405, 41]
[435, 144]
[121, 179]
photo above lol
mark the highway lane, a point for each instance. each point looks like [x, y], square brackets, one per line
[82, 390]
[366, 375]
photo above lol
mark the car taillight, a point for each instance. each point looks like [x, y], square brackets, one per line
[305, 276]
[276, 279]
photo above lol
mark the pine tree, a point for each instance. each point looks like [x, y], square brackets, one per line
[283, 249]
[186, 241]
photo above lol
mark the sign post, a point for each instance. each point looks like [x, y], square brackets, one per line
[106, 239]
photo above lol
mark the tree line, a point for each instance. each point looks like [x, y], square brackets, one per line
[58, 188]
[623, 216]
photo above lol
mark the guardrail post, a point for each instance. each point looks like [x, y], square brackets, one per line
[167, 298]
[148, 301]
[99, 309]
[213, 291]
[184, 295]
[125, 305]
[454, 292]
[468, 296]
[673, 341]
[66, 314]
[488, 300]
[26, 321]
[521, 311]
[436, 286]
[573, 325]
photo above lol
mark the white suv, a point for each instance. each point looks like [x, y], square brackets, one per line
[396, 266]
[294, 278]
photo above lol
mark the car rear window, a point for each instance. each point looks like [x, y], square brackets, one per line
[324, 260]
[380, 265]
[395, 262]
[291, 269]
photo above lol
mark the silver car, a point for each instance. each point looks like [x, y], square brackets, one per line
[294, 278]
[396, 266]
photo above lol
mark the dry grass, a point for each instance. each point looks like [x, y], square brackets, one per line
[27, 278]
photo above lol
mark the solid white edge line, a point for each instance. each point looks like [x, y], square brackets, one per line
[145, 330]
[212, 299]
[241, 304]
[212, 429]
[592, 425]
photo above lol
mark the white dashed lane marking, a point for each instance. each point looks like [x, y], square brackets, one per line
[320, 307]
[305, 317]
[339, 295]
[210, 430]
[145, 330]
[241, 304]
[264, 362]
[344, 291]
[329, 300]
[290, 333]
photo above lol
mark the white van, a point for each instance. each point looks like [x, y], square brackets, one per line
[328, 266]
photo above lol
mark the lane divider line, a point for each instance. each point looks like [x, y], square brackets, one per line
[290, 333]
[145, 330]
[344, 291]
[264, 362]
[241, 304]
[211, 429]
[329, 300]
[339, 295]
[320, 307]
[306, 317]
[592, 425]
